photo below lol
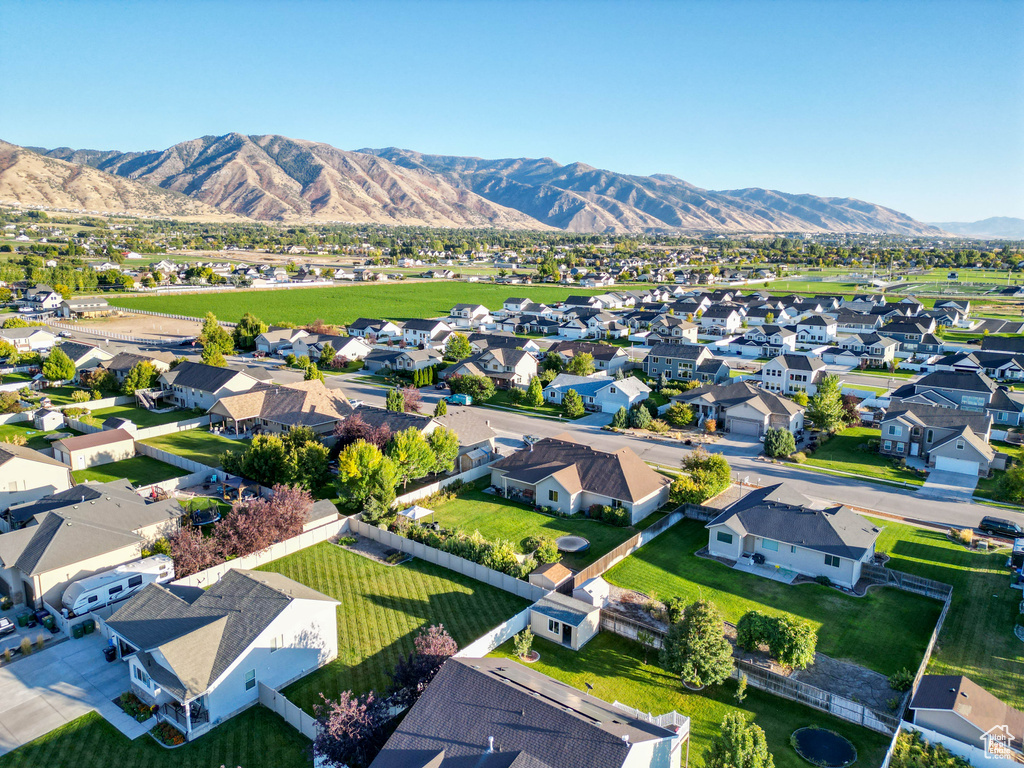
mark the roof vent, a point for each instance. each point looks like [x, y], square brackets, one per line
[490, 744]
[625, 738]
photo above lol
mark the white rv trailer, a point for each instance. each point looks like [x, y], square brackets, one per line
[108, 587]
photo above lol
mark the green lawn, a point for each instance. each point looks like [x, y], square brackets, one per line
[138, 470]
[548, 409]
[977, 638]
[865, 387]
[886, 630]
[197, 444]
[382, 609]
[847, 451]
[498, 518]
[256, 738]
[36, 439]
[614, 666]
[344, 304]
[886, 374]
[987, 486]
[141, 417]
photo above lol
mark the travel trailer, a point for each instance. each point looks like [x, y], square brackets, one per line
[115, 585]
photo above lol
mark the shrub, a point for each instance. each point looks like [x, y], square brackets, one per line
[963, 536]
[658, 426]
[674, 608]
[779, 442]
[347, 541]
[547, 552]
[25, 646]
[523, 643]
[710, 426]
[902, 680]
[790, 642]
[799, 457]
[824, 580]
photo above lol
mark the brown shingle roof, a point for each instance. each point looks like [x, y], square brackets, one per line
[306, 402]
[94, 440]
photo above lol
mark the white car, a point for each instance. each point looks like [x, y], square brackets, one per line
[355, 403]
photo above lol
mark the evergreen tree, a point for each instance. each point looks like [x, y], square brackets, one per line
[535, 393]
[572, 404]
[640, 417]
[825, 409]
[395, 401]
[441, 409]
[696, 648]
[621, 418]
[738, 745]
[312, 372]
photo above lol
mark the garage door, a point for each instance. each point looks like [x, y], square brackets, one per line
[956, 465]
[744, 427]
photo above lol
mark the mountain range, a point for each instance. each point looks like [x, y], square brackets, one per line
[275, 178]
[997, 227]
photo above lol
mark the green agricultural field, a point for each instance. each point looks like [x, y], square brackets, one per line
[256, 738]
[498, 518]
[886, 630]
[847, 451]
[977, 638]
[198, 445]
[615, 667]
[382, 609]
[139, 470]
[343, 304]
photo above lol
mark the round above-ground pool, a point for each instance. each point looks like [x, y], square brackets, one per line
[572, 544]
[823, 747]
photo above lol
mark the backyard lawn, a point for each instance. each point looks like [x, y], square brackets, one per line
[847, 451]
[140, 416]
[498, 518]
[138, 470]
[256, 738]
[382, 609]
[614, 666]
[977, 637]
[885, 630]
[36, 439]
[197, 444]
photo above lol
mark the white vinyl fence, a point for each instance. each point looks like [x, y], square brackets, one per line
[504, 631]
[275, 701]
[177, 483]
[171, 427]
[484, 470]
[451, 562]
[212, 575]
[174, 459]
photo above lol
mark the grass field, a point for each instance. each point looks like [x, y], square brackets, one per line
[256, 738]
[843, 452]
[498, 518]
[346, 303]
[501, 400]
[36, 439]
[197, 445]
[382, 609]
[987, 486]
[977, 638]
[614, 666]
[140, 416]
[139, 470]
[886, 630]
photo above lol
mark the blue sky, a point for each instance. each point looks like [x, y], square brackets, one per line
[915, 105]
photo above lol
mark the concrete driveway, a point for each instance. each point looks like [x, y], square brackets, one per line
[53, 687]
[950, 486]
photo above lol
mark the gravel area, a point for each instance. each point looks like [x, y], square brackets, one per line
[369, 548]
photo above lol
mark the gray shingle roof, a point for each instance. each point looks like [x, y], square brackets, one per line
[533, 719]
[208, 378]
[779, 513]
[680, 351]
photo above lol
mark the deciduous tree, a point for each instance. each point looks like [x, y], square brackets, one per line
[696, 648]
[351, 731]
[457, 348]
[445, 445]
[141, 376]
[411, 453]
[58, 366]
[581, 364]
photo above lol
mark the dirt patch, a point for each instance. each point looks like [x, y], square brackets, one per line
[143, 326]
[371, 549]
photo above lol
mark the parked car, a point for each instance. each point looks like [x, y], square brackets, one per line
[6, 626]
[441, 385]
[65, 334]
[1000, 527]
[459, 399]
[355, 403]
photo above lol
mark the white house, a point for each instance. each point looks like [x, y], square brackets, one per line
[27, 475]
[787, 374]
[200, 655]
[816, 329]
[778, 524]
[599, 392]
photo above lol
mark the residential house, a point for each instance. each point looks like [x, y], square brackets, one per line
[426, 333]
[948, 439]
[121, 364]
[744, 409]
[1002, 366]
[199, 656]
[504, 366]
[35, 338]
[470, 315]
[967, 390]
[685, 362]
[476, 438]
[816, 330]
[75, 533]
[790, 373]
[374, 330]
[312, 346]
[494, 712]
[105, 447]
[27, 475]
[605, 325]
[916, 337]
[768, 314]
[779, 524]
[395, 359]
[197, 385]
[1013, 344]
[85, 356]
[774, 339]
[281, 340]
[674, 330]
[957, 708]
[871, 349]
[514, 305]
[567, 477]
[599, 391]
[857, 322]
[85, 307]
[607, 358]
[720, 319]
[279, 407]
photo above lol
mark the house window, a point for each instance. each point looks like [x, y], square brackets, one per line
[276, 643]
[929, 436]
[612, 390]
[832, 561]
[770, 545]
[895, 430]
[725, 538]
[141, 676]
[250, 679]
[792, 549]
[554, 627]
[960, 445]
[887, 445]
[552, 495]
[899, 447]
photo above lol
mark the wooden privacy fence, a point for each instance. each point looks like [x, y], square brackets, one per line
[908, 582]
[275, 701]
[627, 548]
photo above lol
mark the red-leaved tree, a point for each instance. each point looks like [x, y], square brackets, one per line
[192, 552]
[413, 399]
[434, 646]
[351, 731]
[255, 524]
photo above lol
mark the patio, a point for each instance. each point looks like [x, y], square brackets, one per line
[773, 572]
